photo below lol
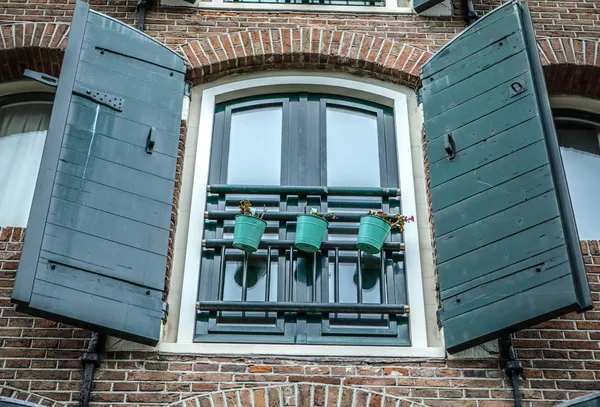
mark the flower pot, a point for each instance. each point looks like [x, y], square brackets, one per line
[372, 233]
[309, 232]
[247, 232]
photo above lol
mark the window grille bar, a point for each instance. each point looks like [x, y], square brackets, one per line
[359, 290]
[268, 276]
[383, 281]
[301, 190]
[221, 273]
[245, 278]
[285, 244]
[282, 216]
[336, 271]
[289, 273]
[302, 307]
[314, 278]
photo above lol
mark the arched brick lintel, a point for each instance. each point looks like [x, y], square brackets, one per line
[298, 394]
[571, 66]
[304, 48]
[37, 46]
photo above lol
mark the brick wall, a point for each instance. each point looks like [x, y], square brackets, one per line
[39, 359]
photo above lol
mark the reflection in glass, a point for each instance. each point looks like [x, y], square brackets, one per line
[352, 148]
[22, 135]
[348, 279]
[255, 146]
[256, 281]
[580, 151]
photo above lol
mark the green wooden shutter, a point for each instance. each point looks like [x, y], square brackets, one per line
[97, 238]
[422, 5]
[507, 247]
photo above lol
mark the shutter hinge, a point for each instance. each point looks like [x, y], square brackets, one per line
[419, 93]
[439, 316]
[165, 311]
[102, 98]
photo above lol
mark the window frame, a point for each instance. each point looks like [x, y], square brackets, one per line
[394, 97]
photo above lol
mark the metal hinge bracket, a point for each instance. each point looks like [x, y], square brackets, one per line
[165, 311]
[419, 96]
[102, 98]
[438, 317]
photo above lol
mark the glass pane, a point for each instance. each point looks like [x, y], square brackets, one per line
[255, 146]
[23, 129]
[352, 148]
[582, 171]
[578, 136]
[256, 280]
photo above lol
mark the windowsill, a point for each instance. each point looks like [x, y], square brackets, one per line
[252, 350]
[443, 9]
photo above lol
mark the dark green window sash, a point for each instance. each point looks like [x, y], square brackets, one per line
[294, 276]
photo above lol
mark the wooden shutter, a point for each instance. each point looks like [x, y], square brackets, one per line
[507, 247]
[423, 5]
[96, 246]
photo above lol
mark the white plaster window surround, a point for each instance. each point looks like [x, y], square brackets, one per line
[179, 331]
[443, 9]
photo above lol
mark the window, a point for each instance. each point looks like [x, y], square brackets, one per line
[579, 138]
[297, 130]
[24, 120]
[301, 140]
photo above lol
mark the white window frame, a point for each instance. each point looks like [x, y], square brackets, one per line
[212, 95]
[443, 9]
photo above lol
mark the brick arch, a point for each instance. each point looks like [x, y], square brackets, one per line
[571, 66]
[304, 48]
[298, 394]
[37, 46]
[22, 395]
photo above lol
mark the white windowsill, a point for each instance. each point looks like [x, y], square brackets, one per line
[300, 350]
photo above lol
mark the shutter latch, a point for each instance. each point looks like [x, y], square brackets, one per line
[449, 146]
[102, 98]
[165, 311]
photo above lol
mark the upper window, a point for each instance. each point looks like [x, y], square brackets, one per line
[262, 145]
[24, 121]
[579, 139]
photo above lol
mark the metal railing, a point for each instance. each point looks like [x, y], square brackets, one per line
[285, 247]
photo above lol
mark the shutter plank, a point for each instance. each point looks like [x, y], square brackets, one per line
[496, 320]
[95, 254]
[115, 176]
[120, 203]
[489, 176]
[118, 152]
[107, 258]
[494, 200]
[495, 98]
[487, 150]
[107, 226]
[511, 250]
[477, 84]
[534, 261]
[479, 36]
[84, 111]
[478, 62]
[505, 118]
[496, 227]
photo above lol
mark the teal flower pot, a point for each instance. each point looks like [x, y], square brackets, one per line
[372, 233]
[247, 232]
[309, 232]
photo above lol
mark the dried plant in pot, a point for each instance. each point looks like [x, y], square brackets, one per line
[249, 227]
[374, 228]
[310, 229]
